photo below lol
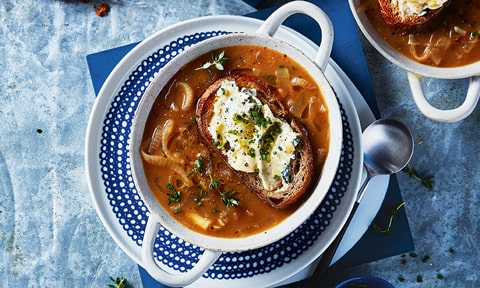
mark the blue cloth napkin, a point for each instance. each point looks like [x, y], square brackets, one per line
[348, 54]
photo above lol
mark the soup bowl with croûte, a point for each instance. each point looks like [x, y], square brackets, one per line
[438, 39]
[236, 142]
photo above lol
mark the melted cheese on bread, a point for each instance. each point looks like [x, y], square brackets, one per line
[253, 139]
[417, 7]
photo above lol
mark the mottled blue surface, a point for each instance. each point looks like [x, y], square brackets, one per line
[50, 233]
[445, 221]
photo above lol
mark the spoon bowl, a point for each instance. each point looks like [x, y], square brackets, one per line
[387, 147]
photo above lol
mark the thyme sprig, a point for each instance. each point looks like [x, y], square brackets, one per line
[393, 216]
[228, 198]
[217, 62]
[426, 181]
[118, 283]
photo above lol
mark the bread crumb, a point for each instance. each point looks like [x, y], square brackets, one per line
[102, 9]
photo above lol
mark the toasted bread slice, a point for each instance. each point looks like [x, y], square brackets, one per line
[410, 23]
[301, 166]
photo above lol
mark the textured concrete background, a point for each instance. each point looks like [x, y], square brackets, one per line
[50, 233]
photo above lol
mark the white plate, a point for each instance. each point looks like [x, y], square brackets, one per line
[124, 215]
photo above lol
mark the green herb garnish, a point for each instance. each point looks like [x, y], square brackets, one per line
[251, 152]
[217, 62]
[118, 283]
[190, 123]
[267, 140]
[228, 198]
[419, 278]
[198, 201]
[393, 216]
[214, 183]
[259, 119]
[175, 196]
[198, 167]
[426, 181]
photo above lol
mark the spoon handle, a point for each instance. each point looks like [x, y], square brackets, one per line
[327, 256]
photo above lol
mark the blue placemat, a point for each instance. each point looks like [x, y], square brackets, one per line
[348, 54]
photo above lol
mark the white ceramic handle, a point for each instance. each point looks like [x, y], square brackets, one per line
[273, 22]
[174, 280]
[452, 115]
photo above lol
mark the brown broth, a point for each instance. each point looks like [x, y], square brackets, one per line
[200, 206]
[454, 42]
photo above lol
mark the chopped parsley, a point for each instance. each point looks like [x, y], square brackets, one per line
[255, 116]
[198, 167]
[251, 152]
[214, 183]
[175, 196]
[266, 143]
[198, 201]
[258, 118]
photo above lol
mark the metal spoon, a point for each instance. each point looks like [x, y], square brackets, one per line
[387, 149]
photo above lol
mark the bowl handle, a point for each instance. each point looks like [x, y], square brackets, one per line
[452, 115]
[273, 22]
[174, 280]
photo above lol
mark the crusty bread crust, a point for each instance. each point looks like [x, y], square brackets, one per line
[301, 175]
[411, 23]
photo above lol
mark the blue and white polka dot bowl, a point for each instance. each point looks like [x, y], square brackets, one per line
[213, 248]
